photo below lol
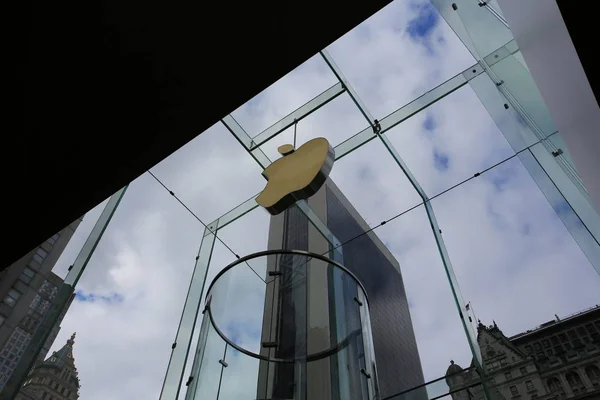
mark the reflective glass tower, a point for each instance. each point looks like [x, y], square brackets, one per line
[396, 353]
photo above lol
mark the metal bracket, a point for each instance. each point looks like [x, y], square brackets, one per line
[190, 379]
[358, 301]
[275, 273]
[365, 373]
[376, 127]
[557, 153]
[269, 345]
[223, 363]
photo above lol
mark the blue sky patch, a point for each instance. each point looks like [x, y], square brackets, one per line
[430, 123]
[423, 24]
[441, 160]
[112, 298]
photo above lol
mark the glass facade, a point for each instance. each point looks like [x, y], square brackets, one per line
[454, 167]
[398, 362]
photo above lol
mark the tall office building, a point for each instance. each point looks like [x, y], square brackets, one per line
[396, 353]
[27, 289]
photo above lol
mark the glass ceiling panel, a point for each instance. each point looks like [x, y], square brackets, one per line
[286, 95]
[130, 297]
[438, 330]
[450, 141]
[336, 121]
[515, 260]
[211, 174]
[398, 54]
[374, 184]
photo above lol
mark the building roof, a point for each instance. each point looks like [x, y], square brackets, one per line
[556, 322]
[63, 358]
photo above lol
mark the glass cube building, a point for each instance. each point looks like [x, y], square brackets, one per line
[455, 200]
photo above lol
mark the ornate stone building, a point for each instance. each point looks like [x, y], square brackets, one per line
[54, 379]
[560, 359]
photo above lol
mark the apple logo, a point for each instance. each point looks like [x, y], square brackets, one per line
[297, 175]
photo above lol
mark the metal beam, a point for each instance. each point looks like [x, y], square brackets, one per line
[297, 115]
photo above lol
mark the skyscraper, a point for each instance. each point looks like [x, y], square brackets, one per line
[27, 289]
[396, 353]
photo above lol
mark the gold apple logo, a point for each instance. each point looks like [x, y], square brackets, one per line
[297, 175]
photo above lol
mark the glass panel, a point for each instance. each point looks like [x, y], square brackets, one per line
[398, 54]
[517, 264]
[374, 184]
[299, 114]
[408, 110]
[464, 384]
[507, 119]
[450, 141]
[519, 82]
[476, 26]
[189, 317]
[234, 214]
[581, 229]
[207, 380]
[427, 329]
[284, 96]
[240, 378]
[49, 304]
[131, 296]
[218, 174]
[336, 121]
[61, 268]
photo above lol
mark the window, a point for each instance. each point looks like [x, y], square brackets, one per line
[508, 375]
[546, 343]
[529, 386]
[555, 385]
[568, 346]
[572, 335]
[27, 275]
[53, 239]
[537, 346]
[581, 331]
[593, 373]
[514, 391]
[523, 370]
[554, 340]
[563, 337]
[12, 297]
[528, 349]
[590, 328]
[573, 379]
[534, 396]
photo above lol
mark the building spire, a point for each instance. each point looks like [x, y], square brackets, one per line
[71, 341]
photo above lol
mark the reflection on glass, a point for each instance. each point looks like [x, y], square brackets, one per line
[583, 224]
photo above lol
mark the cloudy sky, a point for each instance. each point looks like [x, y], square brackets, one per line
[514, 259]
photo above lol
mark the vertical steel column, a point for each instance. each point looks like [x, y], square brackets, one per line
[376, 126]
[63, 295]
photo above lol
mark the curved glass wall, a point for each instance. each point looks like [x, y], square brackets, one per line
[298, 329]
